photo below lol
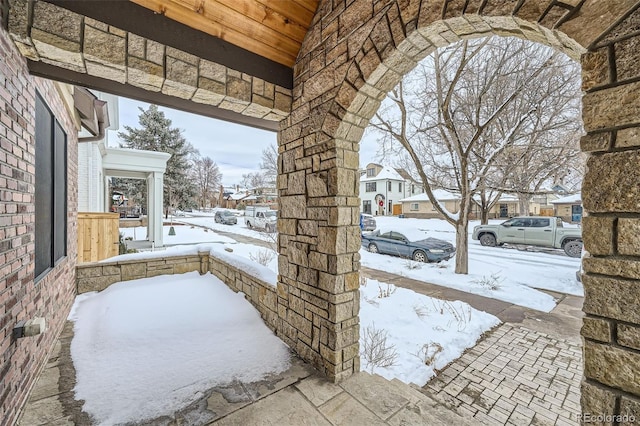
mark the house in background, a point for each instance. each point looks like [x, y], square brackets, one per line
[419, 206]
[507, 206]
[382, 188]
[569, 208]
[98, 162]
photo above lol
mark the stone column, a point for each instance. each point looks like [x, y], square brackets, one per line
[319, 239]
[611, 228]
[154, 208]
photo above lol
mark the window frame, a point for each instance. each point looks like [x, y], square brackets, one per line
[51, 191]
[370, 187]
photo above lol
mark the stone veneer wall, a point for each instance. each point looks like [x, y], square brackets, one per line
[353, 54]
[60, 37]
[21, 298]
[611, 196]
[98, 276]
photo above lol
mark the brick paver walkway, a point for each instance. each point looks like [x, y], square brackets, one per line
[515, 376]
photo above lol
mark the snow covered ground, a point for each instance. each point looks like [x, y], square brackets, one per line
[504, 273]
[184, 234]
[206, 219]
[425, 333]
[145, 348]
[501, 273]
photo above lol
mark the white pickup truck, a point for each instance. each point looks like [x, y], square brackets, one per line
[261, 218]
[532, 231]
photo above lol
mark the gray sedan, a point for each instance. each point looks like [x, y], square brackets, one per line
[397, 244]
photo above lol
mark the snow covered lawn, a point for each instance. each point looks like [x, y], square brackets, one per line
[500, 273]
[145, 348]
[185, 234]
[425, 333]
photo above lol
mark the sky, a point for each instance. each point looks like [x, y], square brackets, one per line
[235, 148]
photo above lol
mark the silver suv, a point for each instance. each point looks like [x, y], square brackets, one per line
[367, 222]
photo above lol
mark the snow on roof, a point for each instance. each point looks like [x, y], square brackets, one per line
[574, 198]
[386, 173]
[440, 194]
[238, 196]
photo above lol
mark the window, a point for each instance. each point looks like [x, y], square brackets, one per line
[50, 190]
[371, 172]
[539, 223]
[366, 206]
[370, 187]
[399, 186]
[389, 186]
[523, 223]
[414, 206]
[413, 189]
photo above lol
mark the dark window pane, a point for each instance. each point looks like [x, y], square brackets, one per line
[43, 188]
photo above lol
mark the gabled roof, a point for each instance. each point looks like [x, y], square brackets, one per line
[387, 173]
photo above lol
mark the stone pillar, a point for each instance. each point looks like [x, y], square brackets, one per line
[319, 239]
[611, 229]
[154, 208]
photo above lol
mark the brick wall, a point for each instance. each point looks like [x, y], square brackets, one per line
[20, 297]
[262, 295]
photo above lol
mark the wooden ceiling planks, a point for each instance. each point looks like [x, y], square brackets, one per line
[273, 29]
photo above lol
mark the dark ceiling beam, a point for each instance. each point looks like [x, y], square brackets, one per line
[41, 69]
[141, 21]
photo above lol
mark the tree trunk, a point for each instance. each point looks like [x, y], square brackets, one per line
[484, 216]
[462, 252]
[523, 204]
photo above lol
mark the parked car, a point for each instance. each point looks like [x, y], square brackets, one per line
[368, 223]
[417, 248]
[532, 231]
[225, 217]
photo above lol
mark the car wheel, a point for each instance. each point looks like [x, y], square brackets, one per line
[373, 248]
[488, 240]
[573, 248]
[420, 256]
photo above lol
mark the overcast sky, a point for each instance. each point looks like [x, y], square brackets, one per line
[235, 148]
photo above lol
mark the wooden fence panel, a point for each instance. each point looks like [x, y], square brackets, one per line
[97, 236]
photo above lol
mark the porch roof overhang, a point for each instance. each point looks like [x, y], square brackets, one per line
[256, 42]
[133, 163]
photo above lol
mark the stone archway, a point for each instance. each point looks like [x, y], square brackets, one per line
[351, 57]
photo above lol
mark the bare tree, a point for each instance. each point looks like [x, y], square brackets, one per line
[455, 116]
[269, 164]
[206, 176]
[256, 181]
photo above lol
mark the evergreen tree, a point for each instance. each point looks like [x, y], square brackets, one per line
[156, 134]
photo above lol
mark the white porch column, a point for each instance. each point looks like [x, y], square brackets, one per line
[154, 208]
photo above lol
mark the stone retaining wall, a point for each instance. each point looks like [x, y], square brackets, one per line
[99, 276]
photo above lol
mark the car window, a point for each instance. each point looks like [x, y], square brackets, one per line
[398, 236]
[524, 223]
[558, 222]
[386, 235]
[539, 223]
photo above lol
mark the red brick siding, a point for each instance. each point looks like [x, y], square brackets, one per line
[20, 297]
